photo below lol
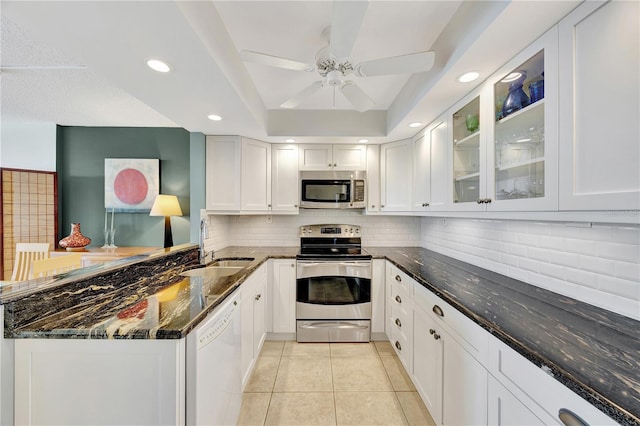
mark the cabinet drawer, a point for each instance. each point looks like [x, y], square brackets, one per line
[527, 381]
[399, 281]
[467, 333]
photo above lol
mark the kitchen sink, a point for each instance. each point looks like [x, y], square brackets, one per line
[241, 262]
[212, 271]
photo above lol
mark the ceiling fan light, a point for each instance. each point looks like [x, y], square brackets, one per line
[468, 77]
[334, 78]
[158, 65]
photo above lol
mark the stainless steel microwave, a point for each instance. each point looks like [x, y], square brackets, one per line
[332, 190]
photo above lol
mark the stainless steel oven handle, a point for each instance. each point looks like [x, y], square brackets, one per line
[365, 264]
[333, 325]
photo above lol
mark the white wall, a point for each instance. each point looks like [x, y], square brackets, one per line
[30, 146]
[598, 263]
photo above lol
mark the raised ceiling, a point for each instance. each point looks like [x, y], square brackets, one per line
[83, 63]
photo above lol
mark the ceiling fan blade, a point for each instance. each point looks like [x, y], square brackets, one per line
[356, 96]
[302, 96]
[274, 61]
[405, 64]
[345, 25]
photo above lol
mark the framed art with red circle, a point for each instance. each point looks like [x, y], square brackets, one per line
[131, 184]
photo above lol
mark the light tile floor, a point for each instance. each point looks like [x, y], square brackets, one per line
[330, 384]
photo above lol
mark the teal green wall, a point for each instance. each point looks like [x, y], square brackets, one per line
[80, 165]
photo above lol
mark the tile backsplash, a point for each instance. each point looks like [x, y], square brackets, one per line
[595, 263]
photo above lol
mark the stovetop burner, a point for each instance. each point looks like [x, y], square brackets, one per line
[331, 241]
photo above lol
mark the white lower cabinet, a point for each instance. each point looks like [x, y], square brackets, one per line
[283, 296]
[252, 320]
[505, 409]
[451, 382]
[399, 319]
[109, 382]
[377, 297]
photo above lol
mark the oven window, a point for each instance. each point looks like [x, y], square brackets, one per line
[326, 191]
[333, 290]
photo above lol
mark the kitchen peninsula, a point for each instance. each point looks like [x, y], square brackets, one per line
[146, 304]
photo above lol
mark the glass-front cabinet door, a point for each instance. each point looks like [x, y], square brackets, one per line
[525, 132]
[466, 153]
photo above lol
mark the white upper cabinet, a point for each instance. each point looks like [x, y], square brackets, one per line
[255, 181]
[396, 176]
[373, 178]
[421, 172]
[285, 191]
[223, 173]
[333, 157]
[467, 143]
[522, 158]
[599, 107]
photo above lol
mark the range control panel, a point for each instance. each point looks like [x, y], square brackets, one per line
[329, 231]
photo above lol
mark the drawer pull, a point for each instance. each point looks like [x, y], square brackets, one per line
[258, 296]
[569, 418]
[398, 299]
[398, 323]
[398, 345]
[438, 310]
[432, 331]
[398, 278]
[436, 336]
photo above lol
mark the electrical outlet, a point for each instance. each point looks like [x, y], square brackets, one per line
[269, 219]
[444, 221]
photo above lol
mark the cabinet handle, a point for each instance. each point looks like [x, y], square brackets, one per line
[431, 331]
[382, 206]
[398, 345]
[329, 164]
[398, 299]
[436, 336]
[425, 204]
[373, 206]
[487, 200]
[438, 310]
[258, 296]
[398, 323]
[398, 278]
[295, 205]
[269, 205]
[335, 165]
[480, 201]
[569, 418]
[293, 265]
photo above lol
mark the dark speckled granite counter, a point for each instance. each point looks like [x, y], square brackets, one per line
[592, 351]
[147, 299]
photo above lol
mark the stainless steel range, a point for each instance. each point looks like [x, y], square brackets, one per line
[333, 286]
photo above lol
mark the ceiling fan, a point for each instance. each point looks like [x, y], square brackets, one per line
[333, 64]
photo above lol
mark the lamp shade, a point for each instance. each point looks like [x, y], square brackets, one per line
[166, 205]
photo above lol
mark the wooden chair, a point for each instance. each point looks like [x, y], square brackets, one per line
[25, 254]
[56, 265]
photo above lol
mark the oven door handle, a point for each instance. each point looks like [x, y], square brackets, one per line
[365, 264]
[333, 324]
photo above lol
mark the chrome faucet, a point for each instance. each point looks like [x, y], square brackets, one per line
[203, 235]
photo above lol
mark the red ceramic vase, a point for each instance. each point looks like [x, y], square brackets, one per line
[75, 241]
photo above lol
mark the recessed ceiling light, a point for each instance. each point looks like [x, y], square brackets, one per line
[363, 140]
[469, 76]
[214, 117]
[158, 65]
[290, 140]
[511, 77]
[415, 124]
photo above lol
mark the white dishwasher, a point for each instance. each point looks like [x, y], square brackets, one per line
[214, 380]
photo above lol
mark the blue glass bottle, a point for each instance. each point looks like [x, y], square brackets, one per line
[516, 98]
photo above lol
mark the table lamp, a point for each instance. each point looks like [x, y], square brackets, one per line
[167, 206]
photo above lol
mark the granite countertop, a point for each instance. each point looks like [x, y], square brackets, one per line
[594, 352]
[151, 305]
